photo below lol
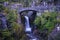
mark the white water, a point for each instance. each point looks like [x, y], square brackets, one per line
[28, 29]
[27, 25]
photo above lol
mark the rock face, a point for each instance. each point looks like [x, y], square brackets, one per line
[32, 17]
[2, 22]
[54, 34]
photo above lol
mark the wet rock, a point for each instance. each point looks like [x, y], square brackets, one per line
[3, 21]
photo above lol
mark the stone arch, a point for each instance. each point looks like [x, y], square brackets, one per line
[27, 10]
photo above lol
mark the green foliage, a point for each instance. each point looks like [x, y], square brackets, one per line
[3, 0]
[2, 7]
[12, 16]
[6, 33]
[46, 20]
[16, 28]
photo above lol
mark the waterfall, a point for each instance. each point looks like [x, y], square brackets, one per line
[27, 25]
[28, 29]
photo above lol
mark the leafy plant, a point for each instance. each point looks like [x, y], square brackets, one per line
[2, 7]
[46, 20]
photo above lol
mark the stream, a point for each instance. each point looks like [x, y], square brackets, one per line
[28, 29]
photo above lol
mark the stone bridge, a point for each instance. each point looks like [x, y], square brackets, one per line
[27, 9]
[36, 8]
[33, 14]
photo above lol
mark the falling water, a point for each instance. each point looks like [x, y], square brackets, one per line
[28, 29]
